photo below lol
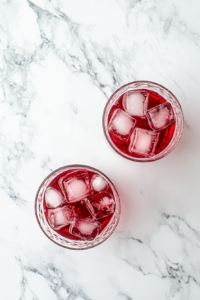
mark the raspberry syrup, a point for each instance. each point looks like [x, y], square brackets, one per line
[165, 134]
[80, 208]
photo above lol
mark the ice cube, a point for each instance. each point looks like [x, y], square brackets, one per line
[60, 217]
[161, 116]
[76, 186]
[135, 103]
[121, 124]
[85, 229]
[53, 198]
[76, 189]
[98, 183]
[103, 204]
[143, 141]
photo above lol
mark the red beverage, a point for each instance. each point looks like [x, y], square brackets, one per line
[77, 207]
[143, 121]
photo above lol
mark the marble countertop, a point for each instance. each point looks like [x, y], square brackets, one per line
[59, 63]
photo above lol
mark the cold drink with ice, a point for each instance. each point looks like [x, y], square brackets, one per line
[77, 207]
[143, 121]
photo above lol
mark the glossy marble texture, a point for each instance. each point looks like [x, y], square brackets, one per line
[60, 60]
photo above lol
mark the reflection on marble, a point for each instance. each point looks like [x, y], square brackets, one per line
[59, 63]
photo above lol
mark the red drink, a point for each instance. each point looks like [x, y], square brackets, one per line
[77, 207]
[143, 121]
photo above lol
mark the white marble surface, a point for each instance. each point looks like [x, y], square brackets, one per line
[60, 60]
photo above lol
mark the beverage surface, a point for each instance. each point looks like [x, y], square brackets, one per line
[141, 123]
[79, 204]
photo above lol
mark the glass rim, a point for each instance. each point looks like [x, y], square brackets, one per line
[141, 159]
[80, 166]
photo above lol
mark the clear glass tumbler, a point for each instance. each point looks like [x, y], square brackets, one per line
[84, 195]
[143, 121]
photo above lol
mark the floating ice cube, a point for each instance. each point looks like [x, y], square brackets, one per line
[53, 198]
[135, 103]
[143, 141]
[98, 183]
[161, 116]
[103, 204]
[75, 186]
[121, 124]
[60, 217]
[76, 189]
[86, 229]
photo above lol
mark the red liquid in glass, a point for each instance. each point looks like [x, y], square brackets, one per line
[80, 208]
[165, 134]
